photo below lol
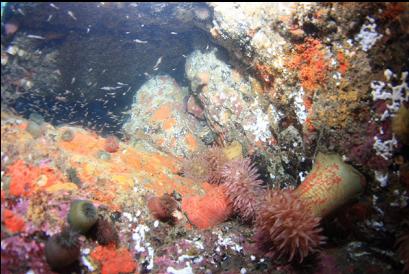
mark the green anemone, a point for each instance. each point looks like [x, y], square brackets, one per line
[82, 215]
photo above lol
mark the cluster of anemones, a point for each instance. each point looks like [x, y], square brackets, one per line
[285, 227]
[63, 249]
[287, 222]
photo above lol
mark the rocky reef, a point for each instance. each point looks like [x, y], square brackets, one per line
[204, 137]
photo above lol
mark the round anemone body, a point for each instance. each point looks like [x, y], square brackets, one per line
[196, 168]
[286, 228]
[62, 250]
[243, 187]
[162, 208]
[111, 144]
[82, 216]
[67, 135]
[106, 232]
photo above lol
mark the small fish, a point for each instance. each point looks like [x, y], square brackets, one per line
[128, 32]
[155, 67]
[174, 33]
[71, 14]
[35, 36]
[49, 18]
[72, 80]
[88, 29]
[140, 41]
[122, 84]
[110, 88]
[54, 6]
[184, 55]
[21, 12]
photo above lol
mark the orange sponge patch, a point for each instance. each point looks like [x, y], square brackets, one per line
[13, 222]
[24, 179]
[114, 261]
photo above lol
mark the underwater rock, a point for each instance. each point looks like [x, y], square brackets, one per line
[159, 114]
[34, 129]
[229, 100]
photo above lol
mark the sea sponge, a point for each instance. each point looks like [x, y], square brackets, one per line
[400, 124]
[111, 144]
[243, 187]
[82, 216]
[163, 208]
[330, 184]
[286, 228]
[62, 249]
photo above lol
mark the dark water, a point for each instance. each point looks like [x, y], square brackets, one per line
[84, 62]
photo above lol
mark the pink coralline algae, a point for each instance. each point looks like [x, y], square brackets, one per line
[19, 254]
